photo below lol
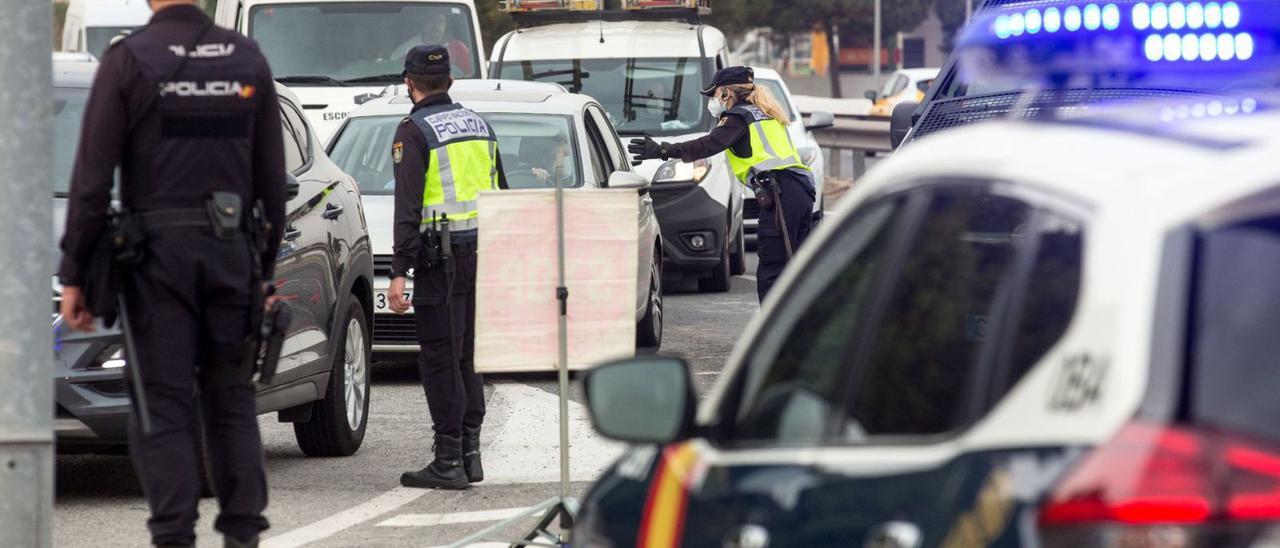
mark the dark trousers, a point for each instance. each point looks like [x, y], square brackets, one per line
[189, 306]
[797, 195]
[455, 393]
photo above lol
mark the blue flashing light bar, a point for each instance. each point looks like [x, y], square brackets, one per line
[1158, 16]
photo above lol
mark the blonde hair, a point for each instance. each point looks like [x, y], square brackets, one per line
[756, 95]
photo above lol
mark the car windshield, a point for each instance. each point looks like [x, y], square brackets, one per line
[68, 112]
[535, 149]
[98, 38]
[656, 96]
[334, 43]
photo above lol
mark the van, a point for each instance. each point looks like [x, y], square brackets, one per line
[336, 54]
[647, 68]
[91, 24]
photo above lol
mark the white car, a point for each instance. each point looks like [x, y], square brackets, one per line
[90, 25]
[1066, 340]
[647, 75]
[336, 54]
[801, 133]
[533, 122]
[902, 85]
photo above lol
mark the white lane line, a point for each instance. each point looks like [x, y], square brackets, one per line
[524, 444]
[429, 520]
[345, 519]
[702, 373]
[747, 277]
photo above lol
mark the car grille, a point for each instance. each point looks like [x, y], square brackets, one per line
[750, 209]
[950, 113]
[382, 265]
[394, 329]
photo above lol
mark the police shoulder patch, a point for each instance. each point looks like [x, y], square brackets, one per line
[405, 120]
[723, 121]
[397, 152]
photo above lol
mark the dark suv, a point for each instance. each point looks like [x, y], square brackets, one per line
[324, 270]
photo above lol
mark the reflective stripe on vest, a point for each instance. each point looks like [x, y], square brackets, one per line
[462, 162]
[771, 149]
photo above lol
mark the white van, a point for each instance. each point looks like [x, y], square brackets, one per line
[648, 74]
[91, 24]
[336, 54]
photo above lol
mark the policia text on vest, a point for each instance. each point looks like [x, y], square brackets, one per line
[444, 156]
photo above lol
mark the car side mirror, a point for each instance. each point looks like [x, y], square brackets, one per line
[871, 95]
[900, 122]
[646, 399]
[820, 120]
[628, 179]
[291, 187]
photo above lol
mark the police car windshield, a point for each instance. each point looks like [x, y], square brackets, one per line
[642, 96]
[359, 40]
[68, 112]
[536, 150]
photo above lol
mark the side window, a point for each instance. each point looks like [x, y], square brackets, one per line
[926, 357]
[297, 146]
[794, 379]
[899, 84]
[617, 153]
[599, 160]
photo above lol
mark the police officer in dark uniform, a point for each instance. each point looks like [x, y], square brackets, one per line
[187, 111]
[444, 156]
[752, 129]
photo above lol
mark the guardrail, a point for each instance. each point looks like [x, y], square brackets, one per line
[855, 133]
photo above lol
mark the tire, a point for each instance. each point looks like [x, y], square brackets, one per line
[338, 422]
[718, 281]
[738, 259]
[649, 330]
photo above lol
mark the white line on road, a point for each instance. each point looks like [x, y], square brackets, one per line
[751, 277]
[430, 520]
[345, 519]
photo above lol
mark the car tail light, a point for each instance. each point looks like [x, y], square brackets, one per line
[1168, 486]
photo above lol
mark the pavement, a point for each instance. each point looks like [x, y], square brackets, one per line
[357, 500]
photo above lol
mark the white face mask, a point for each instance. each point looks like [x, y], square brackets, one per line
[715, 107]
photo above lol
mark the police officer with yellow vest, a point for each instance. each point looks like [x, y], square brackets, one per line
[752, 128]
[444, 156]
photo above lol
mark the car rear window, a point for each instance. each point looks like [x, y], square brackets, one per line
[1234, 328]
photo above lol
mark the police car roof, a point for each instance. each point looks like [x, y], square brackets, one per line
[1166, 172]
[622, 39]
[73, 70]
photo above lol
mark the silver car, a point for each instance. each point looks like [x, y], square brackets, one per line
[534, 122]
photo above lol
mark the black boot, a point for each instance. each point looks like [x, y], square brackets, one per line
[445, 472]
[230, 542]
[471, 454]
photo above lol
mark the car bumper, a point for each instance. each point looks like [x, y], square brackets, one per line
[687, 215]
[93, 406]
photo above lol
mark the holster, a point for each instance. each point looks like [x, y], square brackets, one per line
[762, 185]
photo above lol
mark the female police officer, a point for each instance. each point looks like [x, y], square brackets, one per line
[752, 129]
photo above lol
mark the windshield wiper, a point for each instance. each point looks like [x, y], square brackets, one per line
[389, 78]
[310, 79]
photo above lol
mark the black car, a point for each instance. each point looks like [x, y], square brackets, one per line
[324, 271]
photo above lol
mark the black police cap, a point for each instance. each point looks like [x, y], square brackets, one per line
[729, 76]
[426, 59]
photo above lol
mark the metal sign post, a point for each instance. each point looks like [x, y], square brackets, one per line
[26, 389]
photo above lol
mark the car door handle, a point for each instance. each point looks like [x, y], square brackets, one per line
[748, 536]
[332, 211]
[291, 234]
[894, 534]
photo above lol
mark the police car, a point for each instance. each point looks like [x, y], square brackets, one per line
[539, 127]
[1064, 340]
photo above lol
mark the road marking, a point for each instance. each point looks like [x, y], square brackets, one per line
[701, 373]
[747, 277]
[345, 519]
[524, 446]
[430, 520]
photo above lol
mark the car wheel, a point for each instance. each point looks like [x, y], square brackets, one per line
[718, 281]
[738, 259]
[649, 330]
[338, 422]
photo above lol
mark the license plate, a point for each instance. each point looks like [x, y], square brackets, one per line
[382, 302]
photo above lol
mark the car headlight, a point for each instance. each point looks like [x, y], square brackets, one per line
[809, 155]
[674, 171]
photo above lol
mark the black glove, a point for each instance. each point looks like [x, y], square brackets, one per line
[648, 149]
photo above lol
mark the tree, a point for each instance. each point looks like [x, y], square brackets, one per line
[952, 13]
[493, 22]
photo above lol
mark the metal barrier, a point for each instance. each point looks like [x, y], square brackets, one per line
[855, 133]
